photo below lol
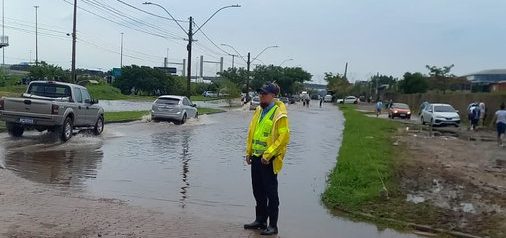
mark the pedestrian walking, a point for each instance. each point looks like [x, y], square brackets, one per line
[500, 121]
[379, 107]
[474, 115]
[483, 113]
[321, 102]
[267, 142]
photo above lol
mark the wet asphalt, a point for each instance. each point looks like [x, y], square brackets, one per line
[196, 169]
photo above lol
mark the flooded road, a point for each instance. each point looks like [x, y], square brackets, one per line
[196, 169]
[125, 105]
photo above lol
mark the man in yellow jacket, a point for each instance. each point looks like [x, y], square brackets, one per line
[268, 138]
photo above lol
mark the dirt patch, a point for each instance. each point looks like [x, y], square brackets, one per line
[36, 210]
[462, 174]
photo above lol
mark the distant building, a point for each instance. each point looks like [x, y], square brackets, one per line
[484, 80]
[498, 87]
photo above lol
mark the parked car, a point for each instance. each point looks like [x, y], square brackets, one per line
[285, 100]
[175, 109]
[440, 115]
[255, 102]
[348, 100]
[53, 106]
[209, 94]
[327, 98]
[399, 110]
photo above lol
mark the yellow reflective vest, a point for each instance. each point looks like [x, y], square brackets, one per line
[270, 135]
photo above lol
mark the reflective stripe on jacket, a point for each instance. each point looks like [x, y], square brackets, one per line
[272, 136]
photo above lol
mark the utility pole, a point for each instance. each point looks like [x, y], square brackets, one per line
[74, 36]
[189, 48]
[346, 70]
[121, 63]
[36, 36]
[3, 31]
[247, 79]
[190, 34]
[233, 59]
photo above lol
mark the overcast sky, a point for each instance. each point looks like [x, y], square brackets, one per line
[387, 36]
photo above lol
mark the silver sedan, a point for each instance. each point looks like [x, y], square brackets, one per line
[176, 109]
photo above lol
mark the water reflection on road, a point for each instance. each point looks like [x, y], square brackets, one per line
[197, 168]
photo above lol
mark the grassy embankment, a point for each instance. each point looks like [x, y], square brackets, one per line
[115, 117]
[366, 174]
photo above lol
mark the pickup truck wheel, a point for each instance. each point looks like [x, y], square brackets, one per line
[196, 115]
[99, 126]
[15, 130]
[66, 130]
[183, 121]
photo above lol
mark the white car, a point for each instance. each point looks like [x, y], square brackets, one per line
[176, 109]
[327, 98]
[437, 114]
[255, 102]
[348, 100]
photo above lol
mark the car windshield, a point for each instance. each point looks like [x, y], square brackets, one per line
[256, 99]
[444, 108]
[350, 97]
[400, 106]
[168, 101]
[49, 90]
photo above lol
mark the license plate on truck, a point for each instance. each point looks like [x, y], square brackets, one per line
[26, 120]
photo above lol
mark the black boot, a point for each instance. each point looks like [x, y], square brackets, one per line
[269, 231]
[256, 225]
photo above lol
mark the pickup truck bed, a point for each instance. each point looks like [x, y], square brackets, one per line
[52, 106]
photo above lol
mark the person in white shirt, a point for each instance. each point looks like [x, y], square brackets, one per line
[500, 121]
[483, 112]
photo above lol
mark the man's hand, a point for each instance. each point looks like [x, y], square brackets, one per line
[248, 159]
[265, 161]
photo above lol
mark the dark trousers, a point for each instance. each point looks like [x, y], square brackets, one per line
[265, 190]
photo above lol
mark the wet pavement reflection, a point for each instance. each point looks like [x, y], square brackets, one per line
[197, 169]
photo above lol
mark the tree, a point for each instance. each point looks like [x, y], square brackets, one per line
[288, 79]
[45, 71]
[237, 76]
[337, 84]
[414, 83]
[440, 77]
[143, 80]
[229, 90]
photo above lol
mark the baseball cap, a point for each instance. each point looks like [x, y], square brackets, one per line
[269, 88]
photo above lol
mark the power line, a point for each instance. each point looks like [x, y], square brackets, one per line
[149, 13]
[139, 23]
[212, 42]
[121, 24]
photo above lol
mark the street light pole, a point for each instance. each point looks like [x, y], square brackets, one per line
[284, 61]
[36, 36]
[249, 60]
[190, 33]
[121, 59]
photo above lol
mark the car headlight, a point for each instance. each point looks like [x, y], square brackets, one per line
[409, 112]
[395, 111]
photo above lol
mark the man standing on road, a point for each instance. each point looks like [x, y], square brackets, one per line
[268, 138]
[500, 121]
[379, 106]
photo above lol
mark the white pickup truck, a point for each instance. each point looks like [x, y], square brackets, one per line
[53, 106]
